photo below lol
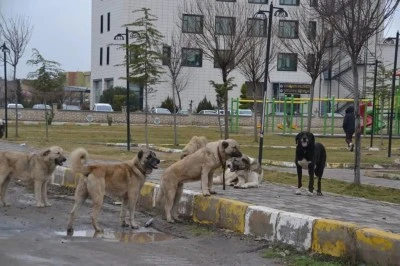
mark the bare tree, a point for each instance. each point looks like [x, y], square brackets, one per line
[16, 32]
[172, 58]
[313, 46]
[221, 34]
[354, 22]
[253, 69]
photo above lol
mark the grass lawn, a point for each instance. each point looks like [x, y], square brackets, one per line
[94, 138]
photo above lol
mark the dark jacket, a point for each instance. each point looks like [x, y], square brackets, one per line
[349, 121]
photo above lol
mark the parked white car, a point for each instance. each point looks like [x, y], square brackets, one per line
[207, 112]
[41, 106]
[159, 110]
[13, 106]
[102, 107]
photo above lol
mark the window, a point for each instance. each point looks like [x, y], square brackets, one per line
[310, 62]
[313, 3]
[101, 56]
[166, 55]
[192, 57]
[288, 29]
[226, 0]
[287, 62]
[289, 2]
[109, 83]
[108, 21]
[225, 25]
[108, 55]
[256, 27]
[224, 57]
[101, 24]
[312, 30]
[192, 24]
[258, 1]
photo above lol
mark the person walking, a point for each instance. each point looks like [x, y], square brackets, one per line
[349, 127]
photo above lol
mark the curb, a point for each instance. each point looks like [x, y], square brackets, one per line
[304, 232]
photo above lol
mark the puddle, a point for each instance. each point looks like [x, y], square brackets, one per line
[140, 236]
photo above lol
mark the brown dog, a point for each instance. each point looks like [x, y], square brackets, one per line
[194, 144]
[123, 180]
[37, 167]
[196, 166]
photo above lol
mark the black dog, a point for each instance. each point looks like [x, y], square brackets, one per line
[312, 156]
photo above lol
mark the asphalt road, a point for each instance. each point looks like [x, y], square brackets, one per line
[37, 236]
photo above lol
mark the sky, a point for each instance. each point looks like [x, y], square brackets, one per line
[62, 30]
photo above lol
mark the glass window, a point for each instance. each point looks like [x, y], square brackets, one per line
[108, 55]
[310, 62]
[226, 0]
[108, 21]
[101, 24]
[225, 25]
[256, 27]
[192, 57]
[312, 30]
[258, 1]
[225, 57]
[192, 23]
[101, 56]
[313, 3]
[166, 55]
[287, 62]
[288, 29]
[289, 2]
[109, 83]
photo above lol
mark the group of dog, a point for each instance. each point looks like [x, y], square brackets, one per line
[124, 180]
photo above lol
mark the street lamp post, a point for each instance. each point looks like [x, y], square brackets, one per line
[280, 12]
[373, 103]
[5, 49]
[120, 36]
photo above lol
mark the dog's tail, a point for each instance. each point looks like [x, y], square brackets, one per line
[78, 159]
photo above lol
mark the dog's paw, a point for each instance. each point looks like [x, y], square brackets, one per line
[212, 192]
[171, 221]
[99, 230]
[178, 220]
[310, 193]
[40, 205]
[206, 193]
[124, 224]
[47, 204]
[134, 226]
[298, 191]
[319, 193]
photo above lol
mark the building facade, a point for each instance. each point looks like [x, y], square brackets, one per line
[286, 76]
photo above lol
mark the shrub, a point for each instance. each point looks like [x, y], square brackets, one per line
[204, 105]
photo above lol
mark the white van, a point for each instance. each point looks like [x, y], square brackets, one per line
[13, 106]
[102, 107]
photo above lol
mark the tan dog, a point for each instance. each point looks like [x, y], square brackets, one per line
[194, 144]
[122, 180]
[37, 167]
[196, 166]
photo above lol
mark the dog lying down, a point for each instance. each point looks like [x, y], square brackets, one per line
[242, 172]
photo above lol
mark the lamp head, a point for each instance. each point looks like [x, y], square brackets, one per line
[4, 48]
[119, 37]
[280, 12]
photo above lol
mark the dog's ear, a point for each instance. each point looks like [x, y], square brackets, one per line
[312, 138]
[46, 152]
[297, 137]
[140, 154]
[225, 144]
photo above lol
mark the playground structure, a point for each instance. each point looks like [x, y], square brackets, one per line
[290, 114]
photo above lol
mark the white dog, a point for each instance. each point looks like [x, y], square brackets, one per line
[241, 172]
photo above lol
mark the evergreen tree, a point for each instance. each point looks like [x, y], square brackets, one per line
[145, 60]
[204, 105]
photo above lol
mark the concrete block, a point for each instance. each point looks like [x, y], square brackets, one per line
[295, 229]
[186, 204]
[260, 222]
[146, 199]
[334, 238]
[206, 209]
[232, 215]
[58, 175]
[378, 247]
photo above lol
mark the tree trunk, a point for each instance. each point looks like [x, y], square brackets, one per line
[310, 105]
[174, 110]
[226, 126]
[357, 139]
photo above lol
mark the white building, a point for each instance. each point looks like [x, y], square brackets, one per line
[107, 69]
